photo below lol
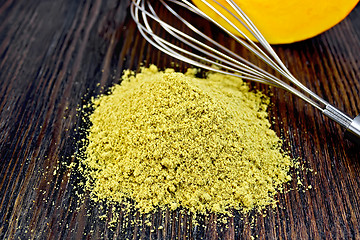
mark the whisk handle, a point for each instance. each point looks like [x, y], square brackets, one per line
[353, 130]
[352, 126]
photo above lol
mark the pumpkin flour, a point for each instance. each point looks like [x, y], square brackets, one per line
[168, 140]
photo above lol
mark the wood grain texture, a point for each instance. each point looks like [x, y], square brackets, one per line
[55, 55]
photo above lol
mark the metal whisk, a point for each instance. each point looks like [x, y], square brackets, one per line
[206, 53]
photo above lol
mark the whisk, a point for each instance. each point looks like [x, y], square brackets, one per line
[204, 52]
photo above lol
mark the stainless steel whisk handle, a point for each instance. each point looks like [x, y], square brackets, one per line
[352, 126]
[353, 130]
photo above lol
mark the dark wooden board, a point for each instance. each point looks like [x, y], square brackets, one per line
[54, 53]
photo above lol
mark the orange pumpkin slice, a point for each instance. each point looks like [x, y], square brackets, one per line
[286, 21]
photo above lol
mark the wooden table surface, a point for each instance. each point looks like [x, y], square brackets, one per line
[55, 55]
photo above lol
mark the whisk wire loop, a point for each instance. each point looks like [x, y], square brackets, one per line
[246, 71]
